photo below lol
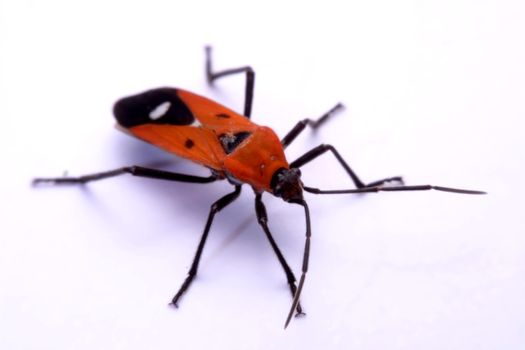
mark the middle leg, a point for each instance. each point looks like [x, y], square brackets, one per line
[215, 208]
[314, 124]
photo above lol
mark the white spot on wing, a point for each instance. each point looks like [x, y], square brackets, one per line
[159, 111]
[196, 123]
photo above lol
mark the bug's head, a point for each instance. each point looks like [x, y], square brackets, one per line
[286, 183]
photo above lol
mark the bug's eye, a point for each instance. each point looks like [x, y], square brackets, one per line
[158, 106]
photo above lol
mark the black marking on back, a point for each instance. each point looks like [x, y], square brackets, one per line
[229, 142]
[223, 116]
[189, 143]
[135, 110]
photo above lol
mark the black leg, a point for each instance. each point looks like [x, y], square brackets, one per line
[262, 218]
[214, 209]
[133, 170]
[321, 149]
[300, 126]
[250, 80]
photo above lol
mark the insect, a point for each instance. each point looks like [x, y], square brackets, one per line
[235, 149]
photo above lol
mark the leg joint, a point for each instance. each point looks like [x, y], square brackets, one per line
[215, 208]
[131, 170]
[262, 220]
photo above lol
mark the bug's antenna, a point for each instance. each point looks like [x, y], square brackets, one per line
[306, 256]
[391, 189]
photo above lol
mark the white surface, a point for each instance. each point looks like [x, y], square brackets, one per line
[434, 91]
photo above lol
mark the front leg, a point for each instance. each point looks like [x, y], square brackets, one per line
[321, 149]
[262, 218]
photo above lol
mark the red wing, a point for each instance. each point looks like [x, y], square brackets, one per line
[215, 116]
[197, 144]
[183, 123]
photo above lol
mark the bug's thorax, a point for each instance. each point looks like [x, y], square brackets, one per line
[256, 159]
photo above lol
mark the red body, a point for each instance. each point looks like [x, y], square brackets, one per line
[253, 161]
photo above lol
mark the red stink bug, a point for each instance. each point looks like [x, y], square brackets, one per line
[234, 148]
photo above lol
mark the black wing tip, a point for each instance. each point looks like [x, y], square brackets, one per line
[137, 109]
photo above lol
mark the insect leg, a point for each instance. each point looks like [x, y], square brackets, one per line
[133, 170]
[250, 80]
[301, 125]
[214, 209]
[262, 218]
[321, 149]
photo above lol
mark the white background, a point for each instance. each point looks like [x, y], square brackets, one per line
[434, 92]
